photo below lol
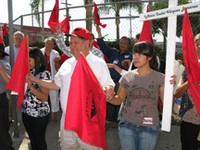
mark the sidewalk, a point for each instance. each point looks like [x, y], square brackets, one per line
[167, 141]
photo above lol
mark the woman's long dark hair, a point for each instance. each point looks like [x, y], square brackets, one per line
[40, 62]
[147, 49]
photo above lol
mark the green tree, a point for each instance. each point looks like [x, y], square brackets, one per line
[160, 25]
[35, 7]
[117, 7]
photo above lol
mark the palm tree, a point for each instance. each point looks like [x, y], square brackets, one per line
[117, 6]
[88, 13]
[35, 6]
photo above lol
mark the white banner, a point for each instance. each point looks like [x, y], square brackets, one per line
[173, 11]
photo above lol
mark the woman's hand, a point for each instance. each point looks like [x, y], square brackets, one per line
[109, 92]
[173, 80]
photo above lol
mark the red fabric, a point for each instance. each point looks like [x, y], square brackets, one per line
[65, 27]
[54, 18]
[95, 44]
[86, 98]
[82, 33]
[191, 61]
[1, 40]
[145, 35]
[33, 39]
[96, 17]
[63, 58]
[5, 29]
[19, 72]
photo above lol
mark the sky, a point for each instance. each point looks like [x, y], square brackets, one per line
[22, 7]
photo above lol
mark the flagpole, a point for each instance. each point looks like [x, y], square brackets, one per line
[13, 98]
[28, 51]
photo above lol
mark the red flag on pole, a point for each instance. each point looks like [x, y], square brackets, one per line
[96, 16]
[191, 61]
[145, 34]
[86, 106]
[54, 18]
[19, 72]
[65, 26]
[5, 29]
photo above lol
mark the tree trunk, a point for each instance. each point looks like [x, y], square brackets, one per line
[88, 14]
[117, 22]
[164, 35]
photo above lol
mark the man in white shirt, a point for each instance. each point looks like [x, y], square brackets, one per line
[79, 42]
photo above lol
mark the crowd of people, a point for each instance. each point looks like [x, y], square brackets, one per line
[138, 87]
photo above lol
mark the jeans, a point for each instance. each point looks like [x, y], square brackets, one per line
[137, 137]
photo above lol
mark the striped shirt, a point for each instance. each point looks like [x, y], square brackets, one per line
[66, 49]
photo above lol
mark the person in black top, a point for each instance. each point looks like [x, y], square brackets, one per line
[5, 69]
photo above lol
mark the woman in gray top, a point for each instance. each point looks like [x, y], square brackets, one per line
[140, 90]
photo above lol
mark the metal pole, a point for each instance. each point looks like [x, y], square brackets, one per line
[66, 9]
[130, 22]
[42, 20]
[13, 98]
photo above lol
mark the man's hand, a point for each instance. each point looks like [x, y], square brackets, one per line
[98, 29]
[126, 63]
[58, 28]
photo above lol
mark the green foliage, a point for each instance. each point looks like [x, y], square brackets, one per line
[117, 7]
[41, 45]
[115, 44]
[35, 7]
[37, 44]
[160, 25]
[120, 6]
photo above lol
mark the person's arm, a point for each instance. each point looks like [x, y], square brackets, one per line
[126, 63]
[108, 51]
[4, 75]
[109, 92]
[118, 69]
[119, 98]
[98, 29]
[61, 43]
[161, 90]
[41, 94]
[181, 89]
[49, 84]
[57, 62]
[97, 52]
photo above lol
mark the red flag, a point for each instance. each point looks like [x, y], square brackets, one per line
[65, 27]
[191, 61]
[86, 106]
[145, 35]
[5, 29]
[54, 18]
[96, 16]
[95, 44]
[19, 72]
[33, 39]
[1, 40]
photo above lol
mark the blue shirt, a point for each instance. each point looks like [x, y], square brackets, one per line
[114, 57]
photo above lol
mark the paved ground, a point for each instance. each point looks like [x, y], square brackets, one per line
[167, 141]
